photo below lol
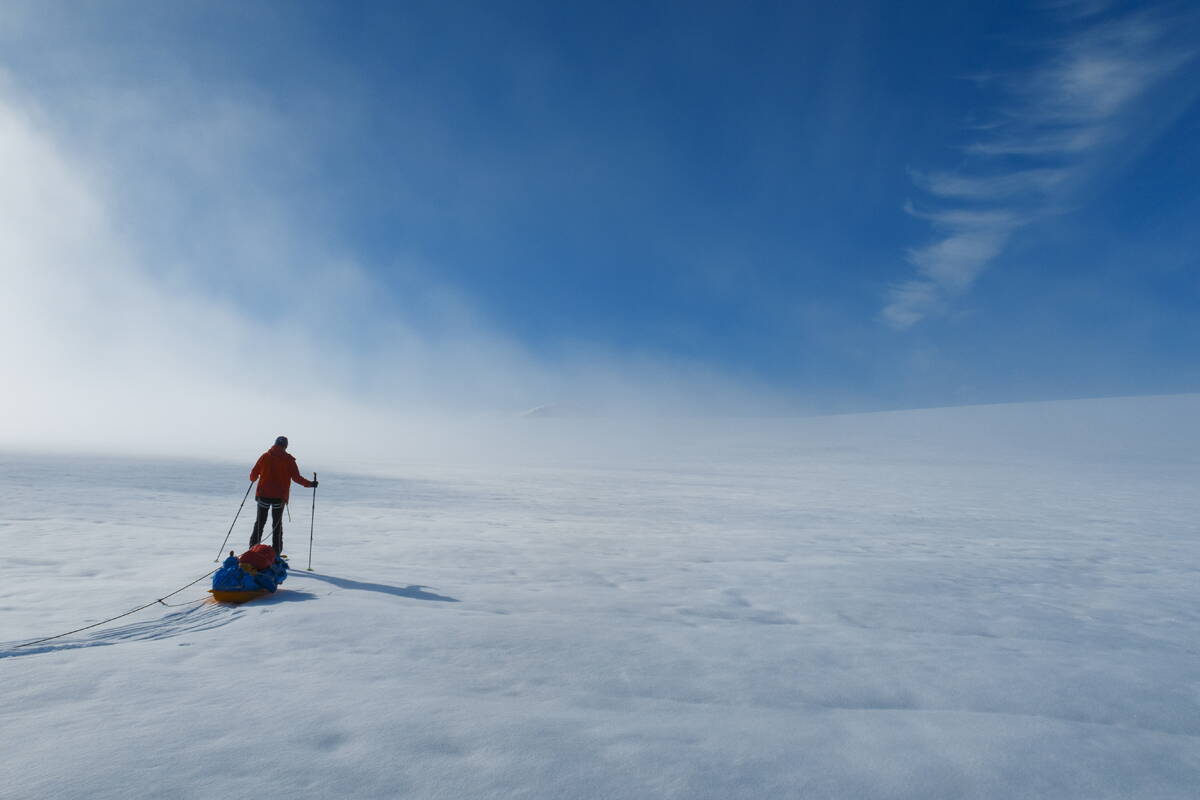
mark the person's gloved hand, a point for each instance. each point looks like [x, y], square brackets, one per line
[315, 484]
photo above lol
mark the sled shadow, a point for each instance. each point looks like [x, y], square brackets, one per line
[411, 592]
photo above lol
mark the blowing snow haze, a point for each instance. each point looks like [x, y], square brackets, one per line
[221, 219]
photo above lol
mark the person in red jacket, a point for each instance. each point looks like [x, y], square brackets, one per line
[275, 470]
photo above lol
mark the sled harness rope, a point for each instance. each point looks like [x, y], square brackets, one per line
[181, 588]
[126, 614]
[221, 552]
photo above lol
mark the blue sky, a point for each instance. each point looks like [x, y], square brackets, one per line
[847, 206]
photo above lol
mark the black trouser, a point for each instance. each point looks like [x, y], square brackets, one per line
[276, 507]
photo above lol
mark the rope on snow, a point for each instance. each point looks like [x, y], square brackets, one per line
[159, 600]
[126, 614]
[181, 588]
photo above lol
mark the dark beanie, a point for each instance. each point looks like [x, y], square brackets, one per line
[281, 441]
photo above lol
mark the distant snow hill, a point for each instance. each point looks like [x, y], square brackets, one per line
[553, 410]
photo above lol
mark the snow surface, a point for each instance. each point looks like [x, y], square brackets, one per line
[995, 602]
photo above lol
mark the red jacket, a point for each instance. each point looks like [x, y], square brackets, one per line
[275, 470]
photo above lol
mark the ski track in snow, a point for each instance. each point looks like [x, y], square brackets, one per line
[961, 603]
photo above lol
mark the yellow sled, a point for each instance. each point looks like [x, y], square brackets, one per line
[236, 595]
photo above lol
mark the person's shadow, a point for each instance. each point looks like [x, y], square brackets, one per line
[411, 592]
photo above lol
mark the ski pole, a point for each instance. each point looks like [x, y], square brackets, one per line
[311, 520]
[217, 560]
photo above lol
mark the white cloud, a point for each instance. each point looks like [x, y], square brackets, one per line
[1097, 73]
[114, 340]
[1072, 142]
[969, 219]
[911, 302]
[991, 187]
[1078, 9]
[1068, 109]
[954, 263]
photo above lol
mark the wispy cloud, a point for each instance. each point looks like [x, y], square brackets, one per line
[1022, 166]
[991, 187]
[1078, 9]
